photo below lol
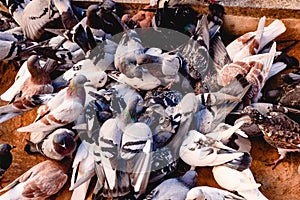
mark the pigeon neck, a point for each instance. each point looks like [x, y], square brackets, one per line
[74, 91]
[129, 112]
[40, 78]
[189, 178]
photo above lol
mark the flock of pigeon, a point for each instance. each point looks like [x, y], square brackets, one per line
[139, 102]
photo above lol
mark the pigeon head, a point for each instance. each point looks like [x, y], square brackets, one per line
[38, 73]
[92, 14]
[195, 194]
[254, 114]
[33, 63]
[154, 113]
[5, 148]
[146, 59]
[109, 5]
[216, 10]
[130, 112]
[92, 9]
[64, 142]
[78, 80]
[189, 178]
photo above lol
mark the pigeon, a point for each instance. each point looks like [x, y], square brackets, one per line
[130, 46]
[213, 107]
[136, 148]
[18, 48]
[279, 131]
[36, 15]
[255, 69]
[165, 156]
[146, 82]
[96, 112]
[20, 78]
[142, 19]
[63, 109]
[67, 15]
[163, 164]
[110, 138]
[122, 94]
[163, 97]
[161, 125]
[200, 150]
[174, 188]
[39, 182]
[5, 158]
[14, 46]
[38, 82]
[289, 97]
[210, 193]
[214, 17]
[57, 145]
[170, 15]
[236, 139]
[196, 50]
[87, 68]
[251, 43]
[133, 143]
[99, 60]
[101, 17]
[242, 182]
[162, 65]
[72, 52]
[265, 108]
[83, 170]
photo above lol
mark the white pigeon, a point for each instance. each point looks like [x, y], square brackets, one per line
[146, 82]
[63, 109]
[57, 145]
[136, 148]
[129, 47]
[210, 193]
[235, 138]
[213, 107]
[251, 43]
[163, 65]
[83, 170]
[200, 150]
[39, 182]
[126, 93]
[174, 188]
[242, 182]
[87, 68]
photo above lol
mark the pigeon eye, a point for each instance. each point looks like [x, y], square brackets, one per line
[161, 120]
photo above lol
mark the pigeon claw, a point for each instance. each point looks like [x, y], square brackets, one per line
[274, 164]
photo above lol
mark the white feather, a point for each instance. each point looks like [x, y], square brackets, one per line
[83, 165]
[241, 182]
[20, 78]
[195, 155]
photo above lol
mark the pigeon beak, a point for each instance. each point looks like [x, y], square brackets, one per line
[237, 113]
[13, 147]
